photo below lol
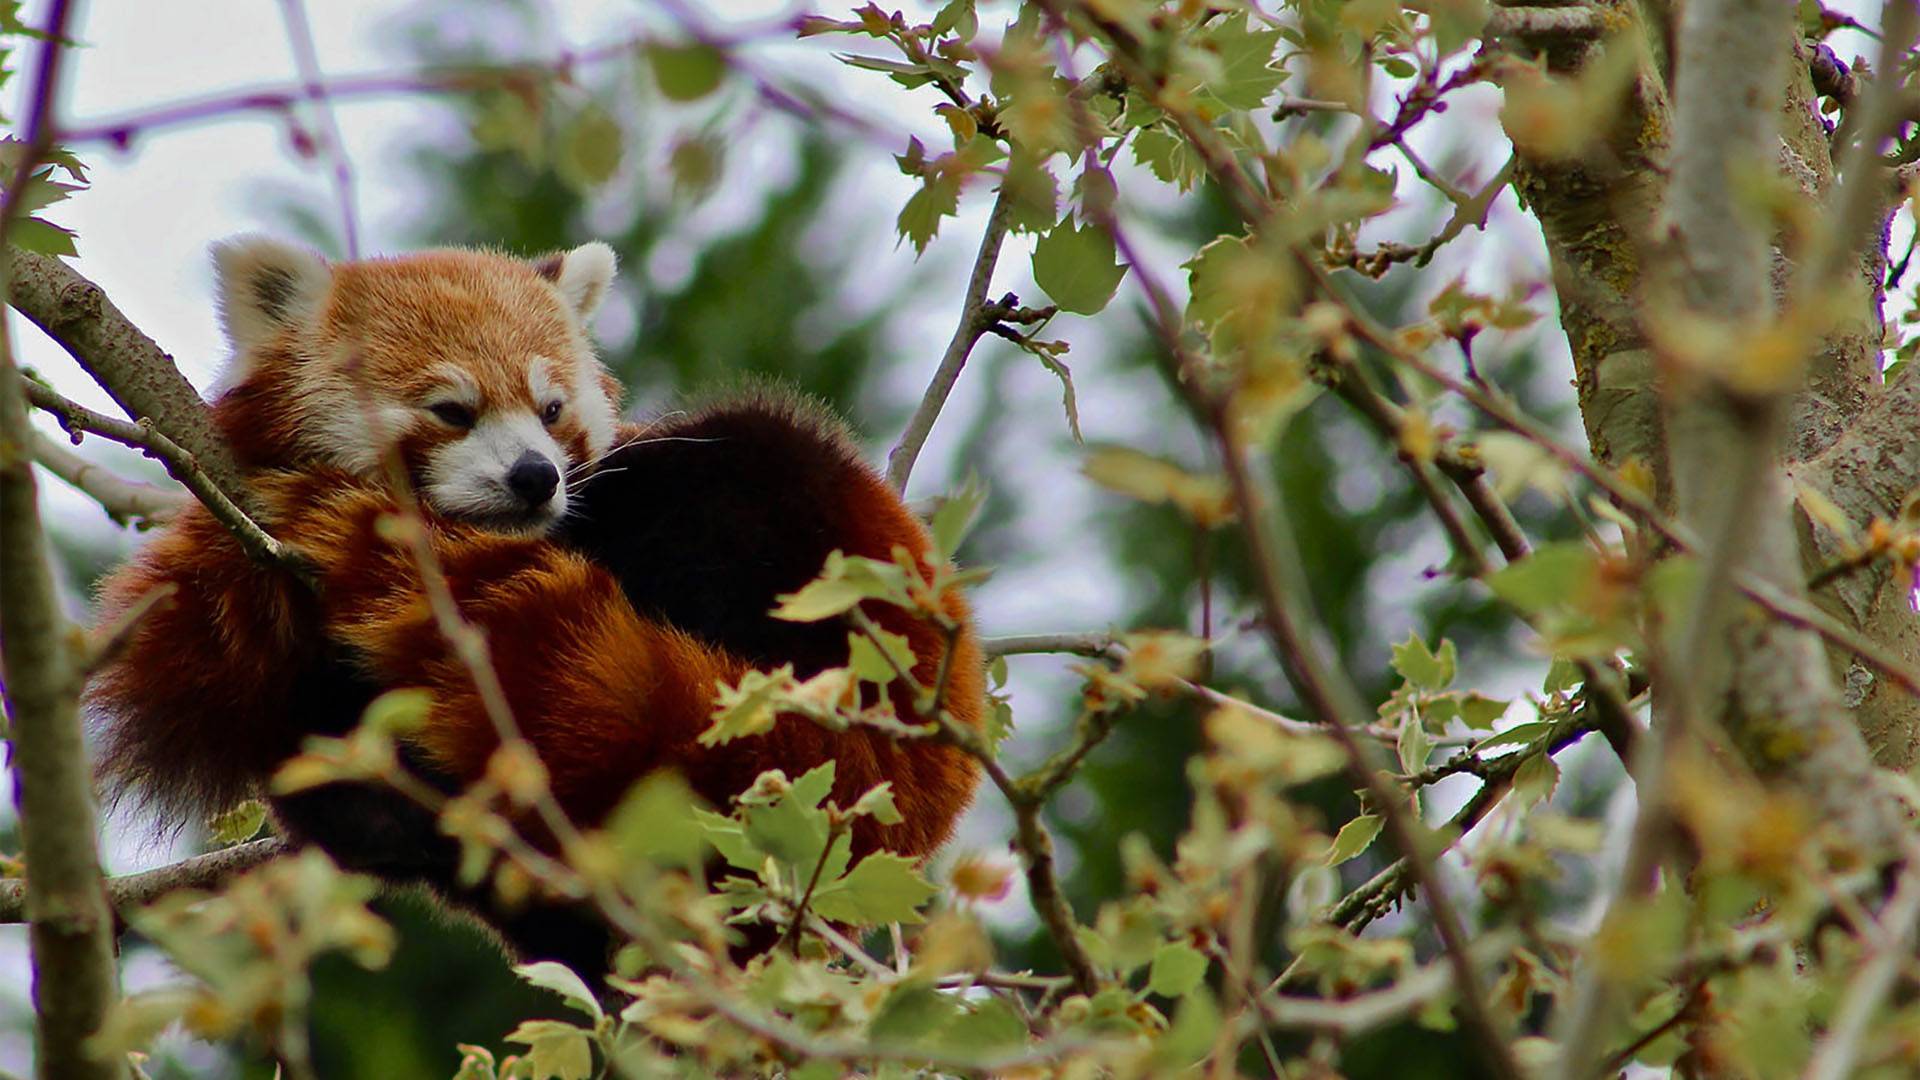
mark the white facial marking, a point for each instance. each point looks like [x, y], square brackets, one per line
[468, 476]
[591, 404]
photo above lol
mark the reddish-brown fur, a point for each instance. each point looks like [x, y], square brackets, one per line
[217, 686]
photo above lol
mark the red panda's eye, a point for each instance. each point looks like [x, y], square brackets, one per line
[453, 414]
[551, 413]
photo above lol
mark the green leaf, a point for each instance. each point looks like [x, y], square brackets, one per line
[790, 831]
[843, 582]
[957, 17]
[1517, 735]
[590, 148]
[1355, 837]
[1076, 267]
[991, 1026]
[397, 712]
[1545, 579]
[919, 221]
[1246, 72]
[1423, 667]
[1033, 195]
[1171, 158]
[877, 803]
[881, 663]
[1562, 675]
[882, 888]
[1480, 712]
[556, 1050]
[749, 707]
[1177, 968]
[686, 72]
[1535, 779]
[658, 820]
[814, 785]
[956, 516]
[44, 237]
[913, 1013]
[729, 837]
[1413, 745]
[1191, 1037]
[240, 822]
[559, 978]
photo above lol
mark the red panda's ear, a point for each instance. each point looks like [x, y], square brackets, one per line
[265, 286]
[582, 275]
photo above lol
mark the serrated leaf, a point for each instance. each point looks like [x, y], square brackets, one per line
[956, 516]
[881, 888]
[241, 822]
[1355, 837]
[1245, 73]
[658, 819]
[1422, 666]
[42, 236]
[1545, 579]
[1177, 968]
[919, 220]
[1171, 158]
[879, 663]
[790, 831]
[1076, 267]
[877, 803]
[814, 785]
[556, 1050]
[559, 978]
[843, 582]
[729, 837]
[1480, 712]
[1033, 195]
[686, 72]
[749, 707]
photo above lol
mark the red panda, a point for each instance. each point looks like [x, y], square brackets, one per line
[618, 571]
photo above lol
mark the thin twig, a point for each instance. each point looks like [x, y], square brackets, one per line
[183, 466]
[125, 501]
[140, 377]
[130, 892]
[973, 323]
[306, 57]
[1888, 951]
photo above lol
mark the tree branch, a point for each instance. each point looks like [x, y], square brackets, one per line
[125, 501]
[71, 931]
[126, 363]
[973, 323]
[129, 892]
[184, 466]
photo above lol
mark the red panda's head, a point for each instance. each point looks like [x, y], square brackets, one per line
[475, 366]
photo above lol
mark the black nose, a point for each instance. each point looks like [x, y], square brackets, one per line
[532, 479]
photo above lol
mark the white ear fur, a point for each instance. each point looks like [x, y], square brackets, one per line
[582, 276]
[265, 285]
